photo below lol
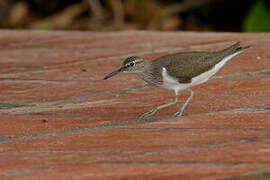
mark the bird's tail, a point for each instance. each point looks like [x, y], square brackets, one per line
[235, 48]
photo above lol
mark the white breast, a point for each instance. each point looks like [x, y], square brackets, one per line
[172, 83]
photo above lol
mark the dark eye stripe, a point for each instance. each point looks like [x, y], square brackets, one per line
[130, 64]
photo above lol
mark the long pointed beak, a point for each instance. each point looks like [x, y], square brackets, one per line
[114, 73]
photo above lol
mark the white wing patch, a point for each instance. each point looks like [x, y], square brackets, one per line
[167, 78]
[172, 83]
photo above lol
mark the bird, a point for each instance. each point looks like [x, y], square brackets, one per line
[178, 71]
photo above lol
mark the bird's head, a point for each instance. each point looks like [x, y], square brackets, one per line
[132, 64]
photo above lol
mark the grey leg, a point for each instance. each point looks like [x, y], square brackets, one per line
[156, 109]
[181, 110]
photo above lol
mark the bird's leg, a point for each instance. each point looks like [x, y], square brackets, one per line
[156, 109]
[181, 110]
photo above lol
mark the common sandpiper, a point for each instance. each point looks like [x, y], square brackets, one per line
[179, 71]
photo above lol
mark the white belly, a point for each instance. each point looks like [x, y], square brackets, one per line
[172, 83]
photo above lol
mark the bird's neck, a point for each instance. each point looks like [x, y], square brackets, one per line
[147, 68]
[150, 74]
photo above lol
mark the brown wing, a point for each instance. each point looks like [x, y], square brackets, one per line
[185, 66]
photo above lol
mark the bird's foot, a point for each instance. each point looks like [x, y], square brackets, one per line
[149, 113]
[178, 113]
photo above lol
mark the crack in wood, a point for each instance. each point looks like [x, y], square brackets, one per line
[185, 129]
[11, 105]
[245, 74]
[14, 173]
[62, 151]
[222, 163]
[245, 139]
[104, 126]
[257, 175]
[119, 91]
[2, 138]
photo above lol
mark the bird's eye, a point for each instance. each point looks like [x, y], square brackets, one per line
[132, 64]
